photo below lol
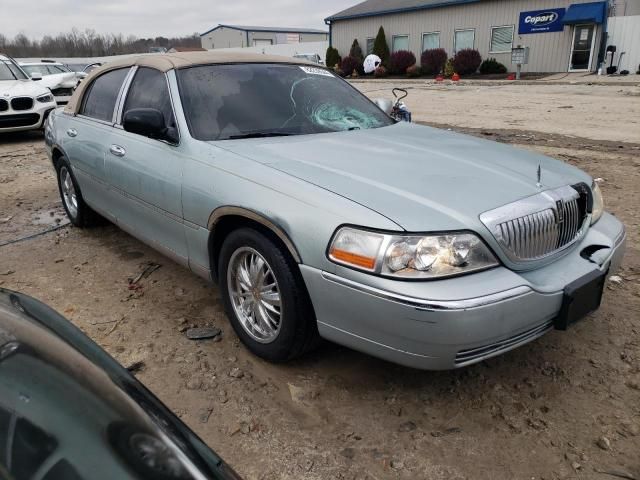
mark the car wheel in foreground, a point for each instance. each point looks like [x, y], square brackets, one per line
[265, 298]
[79, 213]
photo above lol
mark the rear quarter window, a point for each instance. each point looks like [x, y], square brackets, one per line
[100, 100]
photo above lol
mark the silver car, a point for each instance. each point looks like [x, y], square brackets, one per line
[321, 217]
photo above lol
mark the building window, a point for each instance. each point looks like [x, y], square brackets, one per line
[501, 39]
[464, 39]
[430, 41]
[400, 42]
[370, 42]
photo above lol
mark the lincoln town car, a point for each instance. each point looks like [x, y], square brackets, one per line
[321, 217]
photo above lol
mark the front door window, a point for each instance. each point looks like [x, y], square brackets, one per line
[583, 36]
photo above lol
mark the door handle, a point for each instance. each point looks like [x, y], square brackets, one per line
[117, 150]
[72, 132]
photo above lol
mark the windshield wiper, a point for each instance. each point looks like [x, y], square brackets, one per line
[258, 135]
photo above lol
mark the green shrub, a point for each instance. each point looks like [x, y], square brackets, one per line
[491, 65]
[332, 57]
[381, 48]
[448, 68]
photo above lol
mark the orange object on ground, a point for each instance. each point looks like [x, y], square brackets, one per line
[455, 77]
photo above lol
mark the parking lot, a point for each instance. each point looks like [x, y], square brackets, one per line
[564, 406]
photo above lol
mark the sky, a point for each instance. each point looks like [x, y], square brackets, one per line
[151, 18]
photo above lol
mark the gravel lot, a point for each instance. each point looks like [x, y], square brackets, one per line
[565, 406]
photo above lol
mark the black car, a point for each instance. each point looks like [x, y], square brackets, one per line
[69, 411]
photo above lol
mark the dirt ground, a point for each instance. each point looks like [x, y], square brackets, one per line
[564, 406]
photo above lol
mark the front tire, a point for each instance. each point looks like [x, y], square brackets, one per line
[79, 213]
[265, 297]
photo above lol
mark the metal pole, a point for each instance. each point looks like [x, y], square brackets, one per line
[518, 68]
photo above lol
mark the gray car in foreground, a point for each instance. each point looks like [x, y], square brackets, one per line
[319, 216]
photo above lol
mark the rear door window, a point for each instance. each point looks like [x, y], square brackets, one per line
[100, 100]
[149, 89]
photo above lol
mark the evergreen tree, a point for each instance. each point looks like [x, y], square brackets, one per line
[332, 57]
[356, 51]
[380, 47]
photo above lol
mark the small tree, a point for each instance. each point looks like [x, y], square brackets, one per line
[356, 51]
[380, 47]
[332, 57]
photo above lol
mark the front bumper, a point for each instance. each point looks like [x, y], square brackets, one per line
[454, 322]
[33, 119]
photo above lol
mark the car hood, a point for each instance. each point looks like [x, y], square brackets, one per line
[16, 88]
[59, 80]
[421, 178]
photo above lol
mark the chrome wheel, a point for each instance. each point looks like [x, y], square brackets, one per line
[69, 196]
[255, 294]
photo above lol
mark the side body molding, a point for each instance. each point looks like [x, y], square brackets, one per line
[222, 212]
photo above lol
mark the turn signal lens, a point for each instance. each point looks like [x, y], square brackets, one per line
[353, 259]
[356, 248]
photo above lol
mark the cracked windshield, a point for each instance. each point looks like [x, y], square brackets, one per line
[226, 102]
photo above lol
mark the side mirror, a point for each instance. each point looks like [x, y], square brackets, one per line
[384, 104]
[148, 122]
[36, 76]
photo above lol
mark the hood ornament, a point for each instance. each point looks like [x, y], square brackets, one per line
[538, 183]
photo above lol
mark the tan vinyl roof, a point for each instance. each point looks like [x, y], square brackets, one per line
[169, 61]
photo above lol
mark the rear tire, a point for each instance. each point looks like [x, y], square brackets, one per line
[79, 213]
[265, 297]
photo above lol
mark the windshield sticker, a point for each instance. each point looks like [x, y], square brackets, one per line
[316, 71]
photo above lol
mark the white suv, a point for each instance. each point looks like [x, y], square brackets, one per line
[24, 103]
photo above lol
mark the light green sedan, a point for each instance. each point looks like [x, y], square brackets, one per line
[321, 217]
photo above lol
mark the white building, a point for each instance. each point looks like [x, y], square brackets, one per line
[229, 36]
[562, 35]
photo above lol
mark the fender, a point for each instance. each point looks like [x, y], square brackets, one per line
[222, 212]
[53, 148]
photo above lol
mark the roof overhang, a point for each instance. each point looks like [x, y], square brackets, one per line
[593, 12]
[268, 30]
[390, 11]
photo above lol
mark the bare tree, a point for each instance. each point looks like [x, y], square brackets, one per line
[88, 43]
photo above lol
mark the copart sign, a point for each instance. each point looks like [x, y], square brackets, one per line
[541, 21]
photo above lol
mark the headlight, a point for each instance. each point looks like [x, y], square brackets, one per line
[598, 203]
[410, 256]
[46, 98]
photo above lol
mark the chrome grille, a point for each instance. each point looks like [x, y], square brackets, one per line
[4, 105]
[541, 225]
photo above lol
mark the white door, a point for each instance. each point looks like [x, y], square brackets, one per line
[582, 48]
[261, 43]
